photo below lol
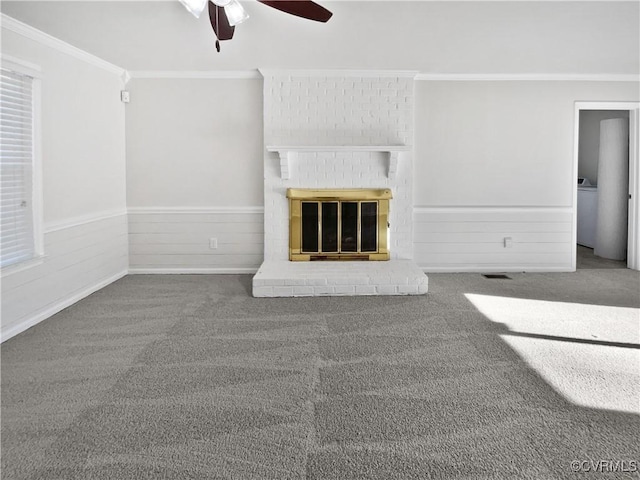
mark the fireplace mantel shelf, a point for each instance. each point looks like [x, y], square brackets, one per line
[288, 153]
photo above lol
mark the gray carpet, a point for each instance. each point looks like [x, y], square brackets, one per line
[586, 258]
[181, 377]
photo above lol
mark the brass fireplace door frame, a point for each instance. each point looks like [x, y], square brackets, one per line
[296, 196]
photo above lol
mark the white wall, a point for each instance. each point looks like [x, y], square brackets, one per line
[85, 230]
[589, 140]
[500, 143]
[194, 172]
[194, 143]
[494, 160]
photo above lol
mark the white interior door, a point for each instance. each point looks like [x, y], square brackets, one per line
[633, 242]
[633, 246]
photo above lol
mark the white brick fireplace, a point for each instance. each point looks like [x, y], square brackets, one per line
[338, 130]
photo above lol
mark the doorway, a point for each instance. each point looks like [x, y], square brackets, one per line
[587, 197]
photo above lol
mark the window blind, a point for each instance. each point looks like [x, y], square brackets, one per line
[16, 168]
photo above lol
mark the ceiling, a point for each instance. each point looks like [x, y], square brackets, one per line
[546, 37]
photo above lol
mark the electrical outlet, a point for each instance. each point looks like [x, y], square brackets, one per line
[508, 242]
[213, 243]
[124, 96]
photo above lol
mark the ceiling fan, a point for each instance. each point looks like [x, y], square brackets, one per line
[226, 14]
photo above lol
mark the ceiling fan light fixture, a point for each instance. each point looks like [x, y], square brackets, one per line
[224, 15]
[195, 7]
[235, 12]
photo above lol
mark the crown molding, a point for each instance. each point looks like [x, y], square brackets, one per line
[387, 1]
[433, 77]
[266, 72]
[260, 73]
[45, 39]
[526, 77]
[196, 74]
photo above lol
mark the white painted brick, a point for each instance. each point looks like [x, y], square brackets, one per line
[387, 289]
[399, 280]
[337, 110]
[283, 291]
[366, 290]
[408, 289]
[344, 290]
[345, 280]
[383, 280]
[323, 290]
[262, 291]
[302, 291]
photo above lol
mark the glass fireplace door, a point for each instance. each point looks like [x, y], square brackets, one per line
[339, 228]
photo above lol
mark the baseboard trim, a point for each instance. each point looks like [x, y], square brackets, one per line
[193, 271]
[497, 269]
[57, 307]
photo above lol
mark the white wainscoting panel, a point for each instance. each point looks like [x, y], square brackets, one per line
[80, 258]
[177, 240]
[469, 239]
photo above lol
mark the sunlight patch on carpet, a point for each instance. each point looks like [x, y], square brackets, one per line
[574, 347]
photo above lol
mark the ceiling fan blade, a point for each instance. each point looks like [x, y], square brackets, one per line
[301, 8]
[220, 22]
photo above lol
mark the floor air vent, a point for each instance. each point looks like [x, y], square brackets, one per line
[497, 276]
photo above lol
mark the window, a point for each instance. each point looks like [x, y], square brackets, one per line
[19, 169]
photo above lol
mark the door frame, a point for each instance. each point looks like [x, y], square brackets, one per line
[633, 239]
